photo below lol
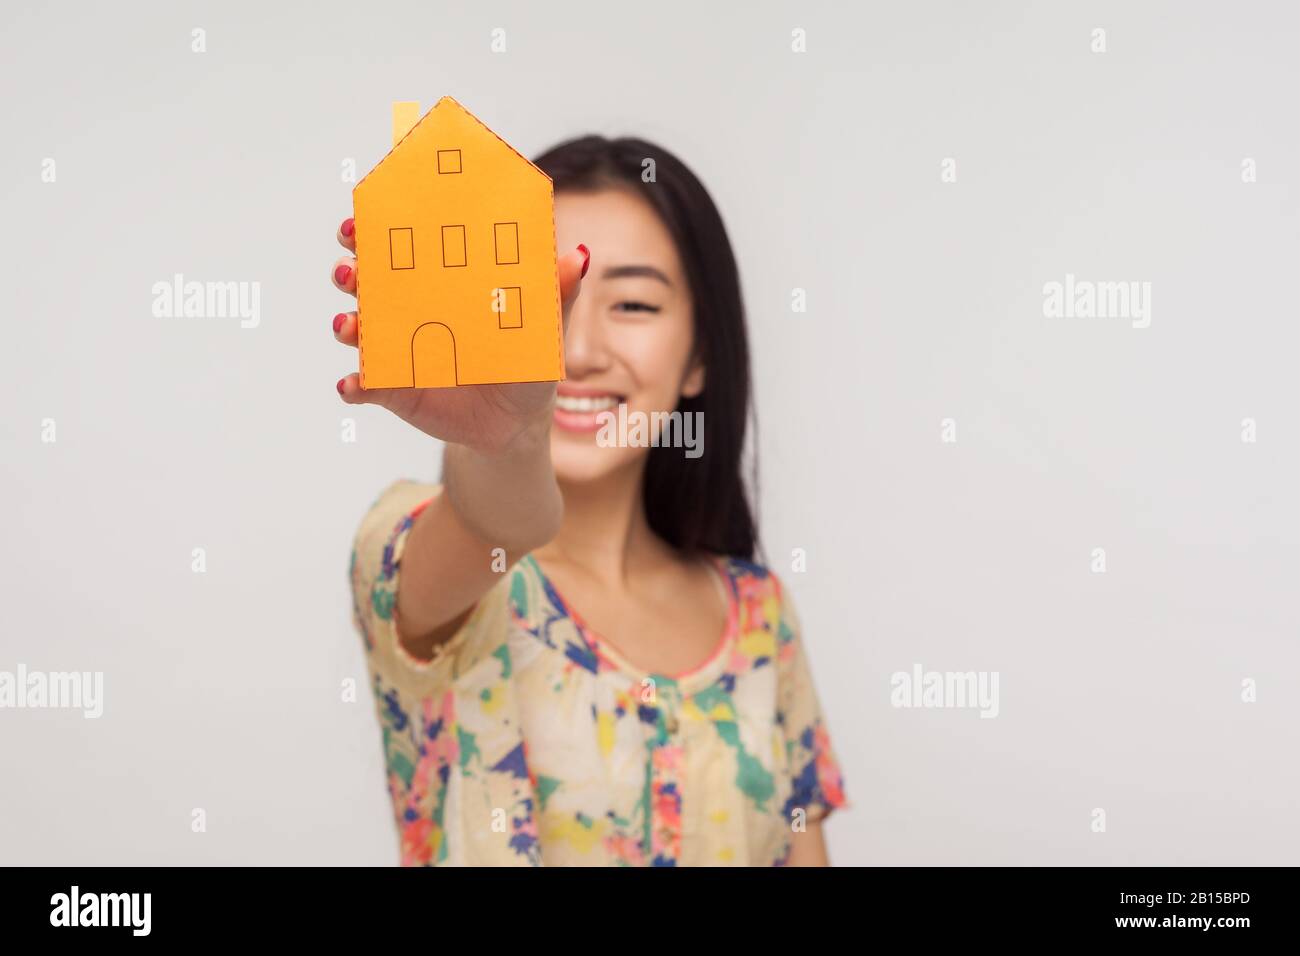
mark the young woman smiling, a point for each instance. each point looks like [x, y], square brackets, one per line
[574, 657]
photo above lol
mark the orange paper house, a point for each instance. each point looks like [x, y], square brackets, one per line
[456, 277]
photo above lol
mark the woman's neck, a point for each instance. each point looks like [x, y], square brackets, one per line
[604, 531]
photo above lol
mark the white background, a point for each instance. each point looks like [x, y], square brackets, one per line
[1119, 691]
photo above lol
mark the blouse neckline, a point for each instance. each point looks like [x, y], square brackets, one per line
[688, 682]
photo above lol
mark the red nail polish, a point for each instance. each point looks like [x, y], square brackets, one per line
[347, 228]
[342, 274]
[340, 386]
[338, 321]
[586, 260]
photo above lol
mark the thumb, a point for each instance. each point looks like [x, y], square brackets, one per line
[572, 266]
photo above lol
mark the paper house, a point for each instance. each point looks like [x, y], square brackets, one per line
[456, 277]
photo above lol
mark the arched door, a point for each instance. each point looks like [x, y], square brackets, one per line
[433, 356]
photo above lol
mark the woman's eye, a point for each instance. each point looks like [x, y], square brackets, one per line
[632, 306]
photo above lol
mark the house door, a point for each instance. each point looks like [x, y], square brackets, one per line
[433, 356]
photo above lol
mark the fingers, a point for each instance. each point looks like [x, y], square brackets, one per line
[347, 235]
[345, 328]
[350, 390]
[344, 274]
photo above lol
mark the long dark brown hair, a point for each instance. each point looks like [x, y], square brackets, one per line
[697, 504]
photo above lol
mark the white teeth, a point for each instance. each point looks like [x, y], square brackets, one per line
[583, 403]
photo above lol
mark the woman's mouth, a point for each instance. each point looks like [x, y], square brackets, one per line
[582, 412]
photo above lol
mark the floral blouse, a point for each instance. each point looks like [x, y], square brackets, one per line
[528, 739]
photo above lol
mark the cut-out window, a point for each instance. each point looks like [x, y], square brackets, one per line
[448, 160]
[508, 304]
[506, 237]
[453, 246]
[401, 248]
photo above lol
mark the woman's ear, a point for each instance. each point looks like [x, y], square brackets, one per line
[693, 384]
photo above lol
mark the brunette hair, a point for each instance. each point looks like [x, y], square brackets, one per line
[697, 504]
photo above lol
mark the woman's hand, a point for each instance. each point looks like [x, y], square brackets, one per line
[487, 418]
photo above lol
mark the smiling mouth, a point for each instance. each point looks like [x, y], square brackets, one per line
[586, 404]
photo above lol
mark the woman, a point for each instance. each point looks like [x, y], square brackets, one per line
[518, 729]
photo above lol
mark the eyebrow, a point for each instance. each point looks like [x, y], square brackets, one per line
[624, 272]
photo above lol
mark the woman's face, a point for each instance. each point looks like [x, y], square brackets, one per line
[630, 337]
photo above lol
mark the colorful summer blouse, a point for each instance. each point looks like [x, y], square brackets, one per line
[528, 739]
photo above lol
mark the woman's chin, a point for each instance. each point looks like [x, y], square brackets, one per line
[579, 460]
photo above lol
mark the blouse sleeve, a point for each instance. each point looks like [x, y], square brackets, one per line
[375, 575]
[375, 572]
[818, 786]
[426, 710]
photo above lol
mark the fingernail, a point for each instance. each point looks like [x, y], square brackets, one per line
[342, 274]
[340, 386]
[586, 260]
[338, 321]
[347, 228]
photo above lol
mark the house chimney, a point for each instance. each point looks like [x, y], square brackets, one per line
[405, 115]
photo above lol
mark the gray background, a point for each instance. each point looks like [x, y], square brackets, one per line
[1118, 690]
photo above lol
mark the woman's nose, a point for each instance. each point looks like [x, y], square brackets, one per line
[584, 341]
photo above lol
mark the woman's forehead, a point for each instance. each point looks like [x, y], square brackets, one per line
[618, 226]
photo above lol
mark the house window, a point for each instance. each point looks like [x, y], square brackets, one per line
[506, 237]
[448, 160]
[508, 304]
[401, 248]
[453, 246]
